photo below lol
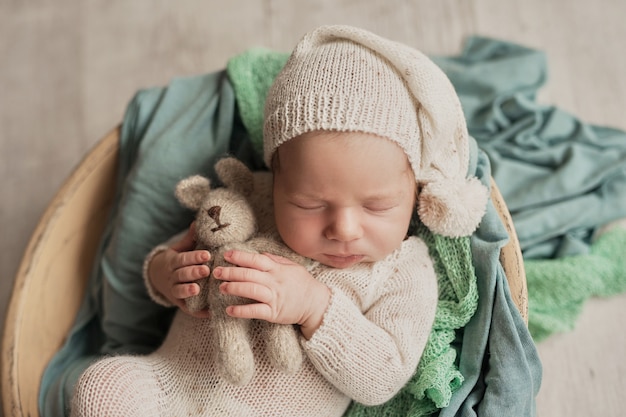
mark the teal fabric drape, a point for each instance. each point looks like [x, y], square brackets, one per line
[560, 177]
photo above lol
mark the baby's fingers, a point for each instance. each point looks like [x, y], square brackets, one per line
[191, 273]
[239, 274]
[183, 259]
[256, 261]
[182, 291]
[252, 291]
[250, 311]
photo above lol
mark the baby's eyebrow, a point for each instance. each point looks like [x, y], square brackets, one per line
[381, 202]
[384, 196]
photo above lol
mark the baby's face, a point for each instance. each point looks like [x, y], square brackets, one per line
[343, 198]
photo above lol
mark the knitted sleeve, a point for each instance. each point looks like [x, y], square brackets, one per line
[152, 292]
[369, 355]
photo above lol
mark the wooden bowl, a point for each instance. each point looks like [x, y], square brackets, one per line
[51, 279]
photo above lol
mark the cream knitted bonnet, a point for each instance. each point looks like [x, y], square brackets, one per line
[346, 79]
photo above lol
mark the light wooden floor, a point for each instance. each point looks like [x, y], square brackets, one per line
[69, 67]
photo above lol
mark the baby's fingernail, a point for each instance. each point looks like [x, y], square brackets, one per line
[205, 256]
[217, 272]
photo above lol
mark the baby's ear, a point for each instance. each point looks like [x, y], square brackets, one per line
[192, 190]
[235, 175]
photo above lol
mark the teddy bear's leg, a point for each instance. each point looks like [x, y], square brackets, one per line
[283, 347]
[235, 359]
[234, 353]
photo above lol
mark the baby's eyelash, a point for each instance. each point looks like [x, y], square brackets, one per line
[379, 209]
[308, 207]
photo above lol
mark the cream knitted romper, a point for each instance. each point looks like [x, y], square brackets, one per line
[373, 334]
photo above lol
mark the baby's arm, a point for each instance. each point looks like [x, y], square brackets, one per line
[370, 355]
[171, 269]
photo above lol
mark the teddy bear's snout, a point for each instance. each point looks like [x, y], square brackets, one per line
[214, 213]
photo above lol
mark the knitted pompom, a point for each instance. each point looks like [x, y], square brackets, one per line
[453, 207]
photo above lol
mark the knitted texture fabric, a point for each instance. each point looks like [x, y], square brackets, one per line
[368, 346]
[341, 85]
[253, 72]
[346, 79]
[600, 273]
[431, 387]
[437, 375]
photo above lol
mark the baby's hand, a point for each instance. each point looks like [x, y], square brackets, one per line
[286, 292]
[173, 272]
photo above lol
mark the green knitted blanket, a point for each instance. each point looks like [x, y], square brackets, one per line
[558, 288]
[437, 375]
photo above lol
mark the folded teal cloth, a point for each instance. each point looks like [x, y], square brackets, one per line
[561, 178]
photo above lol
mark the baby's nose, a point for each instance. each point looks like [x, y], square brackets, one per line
[346, 226]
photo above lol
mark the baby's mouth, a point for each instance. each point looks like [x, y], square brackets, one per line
[343, 260]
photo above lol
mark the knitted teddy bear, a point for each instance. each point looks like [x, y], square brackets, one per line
[225, 220]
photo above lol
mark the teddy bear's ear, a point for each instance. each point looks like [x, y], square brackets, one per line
[235, 175]
[192, 190]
